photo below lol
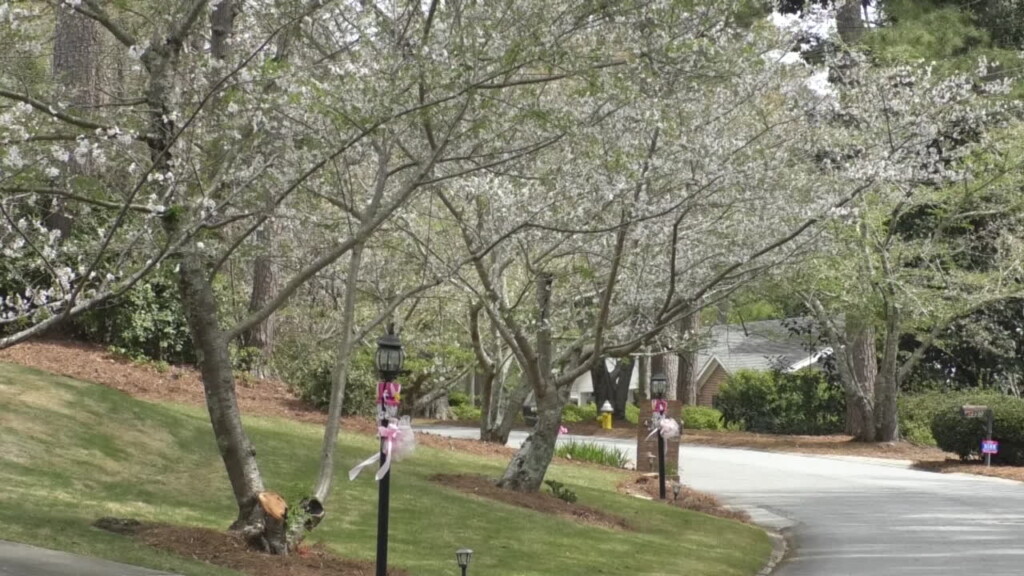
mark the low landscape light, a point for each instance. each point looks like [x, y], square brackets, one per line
[462, 556]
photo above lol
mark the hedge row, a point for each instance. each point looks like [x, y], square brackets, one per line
[962, 436]
[802, 402]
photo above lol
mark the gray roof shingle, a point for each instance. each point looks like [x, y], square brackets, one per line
[756, 345]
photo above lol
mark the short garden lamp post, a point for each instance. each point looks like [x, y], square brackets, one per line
[659, 386]
[389, 365]
[462, 556]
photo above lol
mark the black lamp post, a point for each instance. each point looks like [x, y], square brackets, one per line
[462, 556]
[659, 385]
[389, 366]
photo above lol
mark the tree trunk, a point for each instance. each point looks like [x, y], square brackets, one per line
[686, 389]
[485, 384]
[671, 364]
[644, 383]
[887, 384]
[612, 386]
[75, 68]
[526, 470]
[850, 22]
[857, 364]
[438, 409]
[510, 402]
[620, 388]
[260, 338]
[602, 382]
[235, 448]
[339, 379]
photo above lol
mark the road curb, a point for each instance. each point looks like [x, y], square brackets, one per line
[780, 547]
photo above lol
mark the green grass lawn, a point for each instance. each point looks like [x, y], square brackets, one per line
[71, 452]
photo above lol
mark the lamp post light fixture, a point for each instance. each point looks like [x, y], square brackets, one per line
[462, 556]
[659, 386]
[389, 365]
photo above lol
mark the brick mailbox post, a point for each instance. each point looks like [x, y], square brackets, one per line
[650, 447]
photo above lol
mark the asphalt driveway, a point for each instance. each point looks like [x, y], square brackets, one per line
[24, 560]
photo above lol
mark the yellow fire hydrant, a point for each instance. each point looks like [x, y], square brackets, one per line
[605, 418]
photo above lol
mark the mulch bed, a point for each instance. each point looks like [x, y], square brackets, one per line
[955, 465]
[539, 501]
[230, 551]
[646, 486]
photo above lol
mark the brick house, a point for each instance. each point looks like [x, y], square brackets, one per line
[760, 345]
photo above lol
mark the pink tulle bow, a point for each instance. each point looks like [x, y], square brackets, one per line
[397, 440]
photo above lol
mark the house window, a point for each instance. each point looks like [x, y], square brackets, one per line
[714, 401]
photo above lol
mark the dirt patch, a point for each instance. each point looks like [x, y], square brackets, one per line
[539, 501]
[646, 486]
[229, 551]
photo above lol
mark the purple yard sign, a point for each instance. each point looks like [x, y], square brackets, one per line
[989, 447]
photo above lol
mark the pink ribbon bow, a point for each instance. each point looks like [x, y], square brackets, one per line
[396, 441]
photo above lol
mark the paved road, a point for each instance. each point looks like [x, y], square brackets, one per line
[22, 560]
[860, 517]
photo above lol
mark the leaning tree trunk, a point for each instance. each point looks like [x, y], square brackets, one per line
[236, 450]
[525, 472]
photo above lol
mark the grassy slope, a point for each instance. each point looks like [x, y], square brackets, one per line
[71, 452]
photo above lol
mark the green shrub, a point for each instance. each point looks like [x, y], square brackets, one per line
[702, 418]
[802, 402]
[309, 374]
[573, 414]
[590, 452]
[963, 436]
[466, 412]
[916, 411]
[147, 322]
[457, 398]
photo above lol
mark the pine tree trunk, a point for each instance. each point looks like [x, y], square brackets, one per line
[75, 68]
[260, 338]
